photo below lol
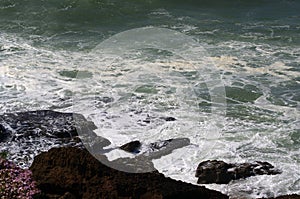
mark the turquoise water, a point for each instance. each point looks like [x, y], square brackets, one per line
[255, 47]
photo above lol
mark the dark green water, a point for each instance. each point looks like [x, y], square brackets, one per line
[67, 23]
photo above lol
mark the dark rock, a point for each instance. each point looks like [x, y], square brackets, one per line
[214, 171]
[68, 195]
[4, 135]
[160, 144]
[163, 145]
[168, 119]
[147, 120]
[132, 147]
[73, 171]
[142, 162]
[25, 134]
[44, 123]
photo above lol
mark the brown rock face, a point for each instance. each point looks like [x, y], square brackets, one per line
[215, 171]
[74, 173]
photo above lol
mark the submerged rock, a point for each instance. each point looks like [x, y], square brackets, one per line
[164, 143]
[169, 119]
[73, 172]
[215, 171]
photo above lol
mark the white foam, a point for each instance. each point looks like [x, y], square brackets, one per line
[30, 80]
[276, 69]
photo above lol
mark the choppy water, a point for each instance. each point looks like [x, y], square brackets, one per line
[254, 46]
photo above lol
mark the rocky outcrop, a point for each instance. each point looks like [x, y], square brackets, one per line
[215, 171]
[45, 123]
[74, 173]
[25, 134]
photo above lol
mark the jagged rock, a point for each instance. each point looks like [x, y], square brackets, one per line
[132, 147]
[215, 171]
[74, 171]
[25, 134]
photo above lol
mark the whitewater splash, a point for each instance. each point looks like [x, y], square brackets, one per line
[136, 88]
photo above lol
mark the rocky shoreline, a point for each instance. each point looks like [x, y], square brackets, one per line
[71, 173]
[74, 173]
[64, 169]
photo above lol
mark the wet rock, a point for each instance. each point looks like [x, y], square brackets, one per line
[44, 123]
[25, 134]
[215, 171]
[165, 147]
[74, 172]
[155, 149]
[142, 162]
[132, 147]
[160, 144]
[3, 134]
[149, 119]
[168, 119]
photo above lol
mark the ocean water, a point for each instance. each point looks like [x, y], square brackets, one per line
[51, 57]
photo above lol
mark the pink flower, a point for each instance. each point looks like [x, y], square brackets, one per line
[16, 182]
